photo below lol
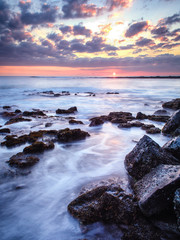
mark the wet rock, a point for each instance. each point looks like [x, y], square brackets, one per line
[125, 125]
[155, 190]
[118, 120]
[48, 124]
[158, 118]
[33, 113]
[38, 147]
[8, 114]
[153, 130]
[12, 140]
[112, 93]
[173, 146]
[145, 156]
[6, 107]
[69, 135]
[177, 206]
[141, 229]
[72, 121]
[22, 160]
[137, 124]
[96, 121]
[17, 119]
[141, 116]
[173, 124]
[147, 126]
[105, 203]
[5, 130]
[161, 112]
[68, 111]
[18, 111]
[174, 104]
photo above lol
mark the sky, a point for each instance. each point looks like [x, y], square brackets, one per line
[89, 37]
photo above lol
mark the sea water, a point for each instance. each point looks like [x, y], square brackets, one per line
[35, 206]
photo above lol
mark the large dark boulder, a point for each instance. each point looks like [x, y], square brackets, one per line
[145, 156]
[173, 124]
[69, 135]
[105, 203]
[22, 160]
[155, 191]
[173, 146]
[174, 104]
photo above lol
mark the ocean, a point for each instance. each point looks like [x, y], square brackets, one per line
[34, 207]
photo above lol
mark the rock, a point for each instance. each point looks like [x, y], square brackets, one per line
[174, 104]
[38, 147]
[118, 120]
[33, 113]
[120, 114]
[173, 124]
[12, 141]
[68, 111]
[137, 124]
[153, 130]
[72, 121]
[112, 93]
[22, 160]
[158, 118]
[18, 111]
[147, 126]
[69, 135]
[161, 112]
[6, 107]
[5, 130]
[145, 156]
[177, 206]
[155, 190]
[105, 203]
[173, 146]
[48, 124]
[96, 122]
[125, 125]
[8, 114]
[141, 116]
[17, 119]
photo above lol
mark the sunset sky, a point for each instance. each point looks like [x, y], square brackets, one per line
[89, 37]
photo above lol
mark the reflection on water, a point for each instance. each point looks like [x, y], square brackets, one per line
[35, 206]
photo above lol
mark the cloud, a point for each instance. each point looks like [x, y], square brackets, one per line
[65, 29]
[81, 30]
[112, 4]
[127, 47]
[15, 22]
[55, 37]
[80, 9]
[177, 38]
[136, 28]
[172, 19]
[144, 42]
[24, 5]
[48, 14]
[4, 13]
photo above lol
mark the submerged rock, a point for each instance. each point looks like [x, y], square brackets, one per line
[68, 111]
[173, 104]
[173, 146]
[22, 160]
[147, 154]
[161, 112]
[155, 191]
[69, 135]
[173, 124]
[38, 147]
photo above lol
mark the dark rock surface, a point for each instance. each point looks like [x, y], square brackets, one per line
[33, 113]
[173, 124]
[147, 126]
[141, 116]
[173, 146]
[174, 104]
[22, 160]
[38, 147]
[5, 130]
[177, 206]
[96, 121]
[68, 111]
[72, 121]
[158, 118]
[69, 135]
[6, 107]
[153, 130]
[147, 154]
[155, 190]
[127, 116]
[161, 112]
[105, 203]
[17, 119]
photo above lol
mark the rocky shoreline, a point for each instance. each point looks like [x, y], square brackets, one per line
[154, 171]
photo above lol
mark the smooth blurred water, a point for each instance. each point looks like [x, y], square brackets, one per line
[38, 210]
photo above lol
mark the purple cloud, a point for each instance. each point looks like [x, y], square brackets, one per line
[143, 42]
[136, 28]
